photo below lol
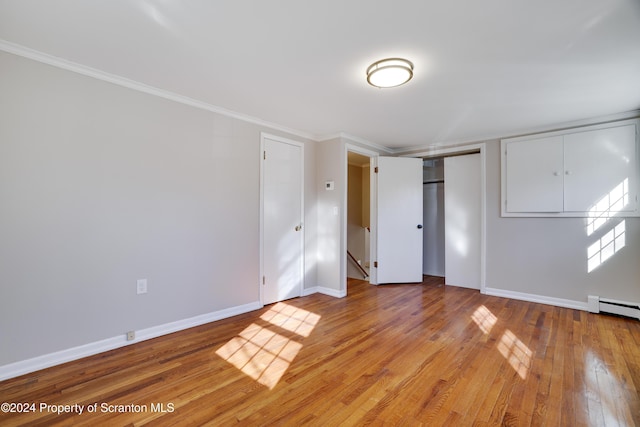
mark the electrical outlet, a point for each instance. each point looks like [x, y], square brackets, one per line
[141, 286]
[131, 335]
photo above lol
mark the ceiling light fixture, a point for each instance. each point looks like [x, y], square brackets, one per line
[390, 72]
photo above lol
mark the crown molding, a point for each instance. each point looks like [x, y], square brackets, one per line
[55, 61]
[329, 137]
[64, 64]
[357, 140]
[540, 129]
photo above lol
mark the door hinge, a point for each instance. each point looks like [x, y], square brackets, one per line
[263, 280]
[375, 264]
[264, 155]
[375, 170]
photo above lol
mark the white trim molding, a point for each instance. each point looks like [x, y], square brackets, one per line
[325, 291]
[45, 58]
[365, 143]
[540, 299]
[22, 367]
[482, 149]
[373, 220]
[440, 145]
[64, 64]
[309, 291]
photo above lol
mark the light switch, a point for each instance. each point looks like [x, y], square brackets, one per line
[142, 286]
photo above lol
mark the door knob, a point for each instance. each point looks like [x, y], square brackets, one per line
[419, 225]
[298, 227]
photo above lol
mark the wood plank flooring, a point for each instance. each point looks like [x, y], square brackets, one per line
[421, 354]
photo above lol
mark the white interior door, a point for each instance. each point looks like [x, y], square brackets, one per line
[282, 211]
[399, 220]
[462, 211]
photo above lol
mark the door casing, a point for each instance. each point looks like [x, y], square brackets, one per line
[424, 154]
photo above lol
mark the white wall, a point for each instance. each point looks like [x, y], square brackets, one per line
[548, 256]
[102, 185]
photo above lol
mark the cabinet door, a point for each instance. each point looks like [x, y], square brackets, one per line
[600, 170]
[534, 175]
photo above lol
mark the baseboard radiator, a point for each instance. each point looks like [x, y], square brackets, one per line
[605, 305]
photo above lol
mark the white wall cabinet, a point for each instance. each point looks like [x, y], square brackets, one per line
[534, 175]
[578, 172]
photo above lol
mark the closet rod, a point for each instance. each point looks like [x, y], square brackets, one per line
[435, 181]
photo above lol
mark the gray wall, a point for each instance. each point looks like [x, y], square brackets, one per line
[332, 227]
[102, 185]
[548, 256]
[331, 204]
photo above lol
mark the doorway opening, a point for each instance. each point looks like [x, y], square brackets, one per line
[453, 200]
[433, 243]
[479, 228]
[358, 216]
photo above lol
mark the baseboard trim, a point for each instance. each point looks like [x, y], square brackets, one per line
[309, 291]
[541, 299]
[337, 293]
[326, 291]
[28, 366]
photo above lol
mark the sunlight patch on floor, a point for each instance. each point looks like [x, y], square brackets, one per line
[262, 353]
[516, 352]
[605, 392]
[291, 318]
[484, 318]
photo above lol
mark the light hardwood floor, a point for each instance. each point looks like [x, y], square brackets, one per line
[421, 354]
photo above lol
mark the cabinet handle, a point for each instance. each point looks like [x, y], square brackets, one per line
[556, 174]
[567, 172]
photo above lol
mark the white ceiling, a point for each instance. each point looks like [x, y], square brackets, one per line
[489, 68]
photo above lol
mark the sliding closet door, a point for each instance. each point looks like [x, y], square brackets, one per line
[462, 209]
